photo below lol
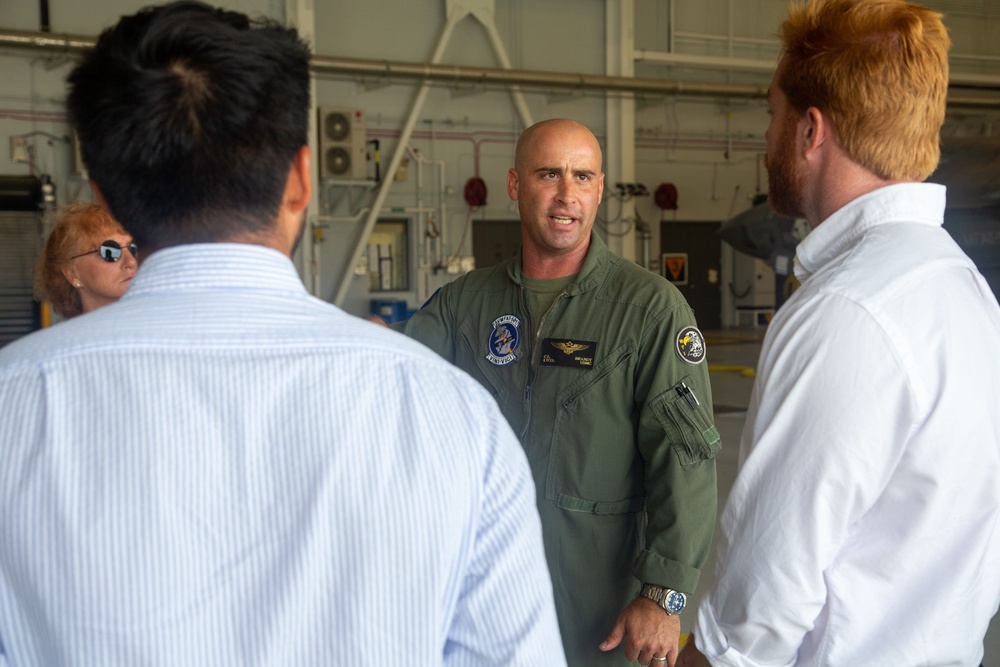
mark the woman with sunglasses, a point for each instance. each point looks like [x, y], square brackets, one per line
[87, 262]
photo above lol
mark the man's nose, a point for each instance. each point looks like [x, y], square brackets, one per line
[565, 191]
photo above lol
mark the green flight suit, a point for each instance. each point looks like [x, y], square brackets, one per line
[609, 394]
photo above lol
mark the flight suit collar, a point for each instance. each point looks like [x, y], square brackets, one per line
[592, 273]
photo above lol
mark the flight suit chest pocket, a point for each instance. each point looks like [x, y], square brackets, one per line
[687, 422]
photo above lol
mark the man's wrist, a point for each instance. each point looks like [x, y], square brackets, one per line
[669, 600]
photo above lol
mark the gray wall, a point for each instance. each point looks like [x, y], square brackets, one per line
[710, 148]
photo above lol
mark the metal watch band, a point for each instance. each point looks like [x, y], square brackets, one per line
[671, 601]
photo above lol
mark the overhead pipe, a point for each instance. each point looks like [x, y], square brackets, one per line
[454, 74]
[46, 41]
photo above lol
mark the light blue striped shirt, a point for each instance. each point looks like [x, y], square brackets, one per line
[220, 469]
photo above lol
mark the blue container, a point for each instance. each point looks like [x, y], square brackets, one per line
[390, 310]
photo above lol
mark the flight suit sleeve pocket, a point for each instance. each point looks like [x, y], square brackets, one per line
[687, 423]
[573, 504]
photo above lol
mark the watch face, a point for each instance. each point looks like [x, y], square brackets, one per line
[674, 604]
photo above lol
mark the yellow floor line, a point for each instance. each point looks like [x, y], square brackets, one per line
[745, 371]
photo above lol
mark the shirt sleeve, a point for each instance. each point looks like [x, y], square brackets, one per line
[22, 411]
[678, 441]
[506, 613]
[432, 324]
[821, 440]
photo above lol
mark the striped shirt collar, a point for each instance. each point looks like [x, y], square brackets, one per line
[215, 265]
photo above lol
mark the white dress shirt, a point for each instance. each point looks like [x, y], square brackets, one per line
[864, 524]
[220, 469]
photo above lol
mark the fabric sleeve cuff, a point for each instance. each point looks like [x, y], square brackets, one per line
[712, 642]
[655, 569]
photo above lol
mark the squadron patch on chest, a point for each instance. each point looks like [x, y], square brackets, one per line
[573, 353]
[504, 340]
[690, 345]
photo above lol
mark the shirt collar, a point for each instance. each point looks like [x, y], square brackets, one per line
[214, 265]
[902, 202]
[591, 274]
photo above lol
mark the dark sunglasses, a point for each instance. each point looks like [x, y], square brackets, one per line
[110, 251]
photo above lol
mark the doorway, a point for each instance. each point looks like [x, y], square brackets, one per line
[693, 262]
[494, 241]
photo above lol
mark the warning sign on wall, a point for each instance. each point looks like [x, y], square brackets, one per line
[675, 267]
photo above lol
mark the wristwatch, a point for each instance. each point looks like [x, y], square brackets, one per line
[671, 601]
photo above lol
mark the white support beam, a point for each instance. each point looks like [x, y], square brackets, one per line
[453, 18]
[619, 155]
[517, 97]
[456, 11]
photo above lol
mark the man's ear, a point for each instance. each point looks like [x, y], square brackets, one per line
[298, 187]
[512, 183]
[814, 130]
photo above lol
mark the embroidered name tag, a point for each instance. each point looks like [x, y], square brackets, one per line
[574, 353]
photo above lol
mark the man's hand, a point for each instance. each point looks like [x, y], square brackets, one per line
[648, 633]
[691, 656]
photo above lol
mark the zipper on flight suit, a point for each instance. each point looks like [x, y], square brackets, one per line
[532, 364]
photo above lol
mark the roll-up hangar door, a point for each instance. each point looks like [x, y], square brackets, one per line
[20, 244]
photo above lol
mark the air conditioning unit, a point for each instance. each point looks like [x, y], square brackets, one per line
[342, 144]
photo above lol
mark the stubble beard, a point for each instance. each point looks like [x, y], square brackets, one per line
[785, 182]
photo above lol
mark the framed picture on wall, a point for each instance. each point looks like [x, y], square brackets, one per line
[675, 267]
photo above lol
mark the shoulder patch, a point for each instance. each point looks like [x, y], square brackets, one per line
[690, 345]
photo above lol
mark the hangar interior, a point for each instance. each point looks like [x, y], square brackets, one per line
[418, 105]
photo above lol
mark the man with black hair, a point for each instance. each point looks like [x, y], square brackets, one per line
[196, 474]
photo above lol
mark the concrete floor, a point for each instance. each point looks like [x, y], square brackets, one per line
[728, 351]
